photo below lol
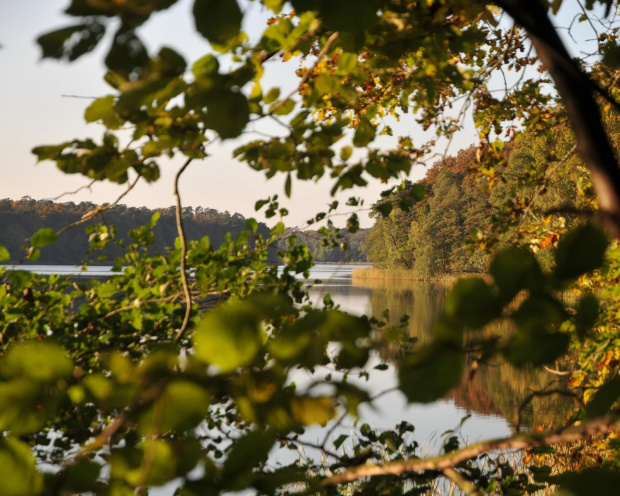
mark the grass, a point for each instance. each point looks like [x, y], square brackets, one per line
[408, 275]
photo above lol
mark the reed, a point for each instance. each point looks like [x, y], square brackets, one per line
[408, 275]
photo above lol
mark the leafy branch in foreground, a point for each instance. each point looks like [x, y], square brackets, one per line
[125, 384]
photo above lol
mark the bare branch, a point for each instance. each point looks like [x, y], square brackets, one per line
[99, 209]
[181, 231]
[586, 429]
[75, 191]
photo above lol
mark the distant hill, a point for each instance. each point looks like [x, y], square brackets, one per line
[20, 219]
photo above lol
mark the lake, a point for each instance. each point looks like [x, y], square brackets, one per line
[488, 400]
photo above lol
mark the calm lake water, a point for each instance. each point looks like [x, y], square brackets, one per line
[489, 400]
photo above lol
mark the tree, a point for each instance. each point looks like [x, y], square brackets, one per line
[128, 383]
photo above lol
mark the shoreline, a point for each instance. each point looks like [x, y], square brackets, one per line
[367, 274]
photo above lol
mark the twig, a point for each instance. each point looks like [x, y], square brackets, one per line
[181, 231]
[98, 209]
[586, 429]
[66, 193]
[306, 76]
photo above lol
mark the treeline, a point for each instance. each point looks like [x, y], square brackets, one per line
[353, 251]
[443, 232]
[20, 219]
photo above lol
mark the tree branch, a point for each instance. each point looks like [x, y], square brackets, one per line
[181, 231]
[586, 429]
[575, 89]
[306, 76]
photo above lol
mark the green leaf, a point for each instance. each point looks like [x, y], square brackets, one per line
[71, 42]
[82, 476]
[247, 452]
[364, 133]
[345, 153]
[37, 360]
[18, 473]
[272, 95]
[44, 237]
[230, 336]
[181, 407]
[288, 185]
[580, 251]
[227, 113]
[326, 84]
[431, 372]
[309, 410]
[603, 399]
[4, 254]
[515, 269]
[127, 56]
[103, 109]
[219, 21]
[588, 482]
[535, 347]
[251, 224]
[472, 302]
[611, 57]
[206, 66]
[587, 314]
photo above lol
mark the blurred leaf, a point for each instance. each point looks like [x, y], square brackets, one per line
[364, 133]
[611, 57]
[181, 407]
[4, 254]
[431, 372]
[232, 105]
[603, 399]
[37, 360]
[309, 410]
[534, 346]
[587, 314]
[82, 476]
[472, 302]
[515, 269]
[588, 482]
[127, 56]
[219, 21]
[231, 335]
[44, 237]
[580, 251]
[103, 109]
[71, 42]
[18, 473]
[247, 452]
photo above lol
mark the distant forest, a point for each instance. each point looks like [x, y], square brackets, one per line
[20, 219]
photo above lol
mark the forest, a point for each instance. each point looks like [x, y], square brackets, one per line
[205, 369]
[464, 219]
[21, 218]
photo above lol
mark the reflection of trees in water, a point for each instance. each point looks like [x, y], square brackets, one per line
[496, 388]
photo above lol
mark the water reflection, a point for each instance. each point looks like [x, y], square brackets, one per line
[493, 392]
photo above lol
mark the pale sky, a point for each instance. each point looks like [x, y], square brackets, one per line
[35, 113]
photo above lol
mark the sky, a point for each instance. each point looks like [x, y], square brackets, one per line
[36, 112]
